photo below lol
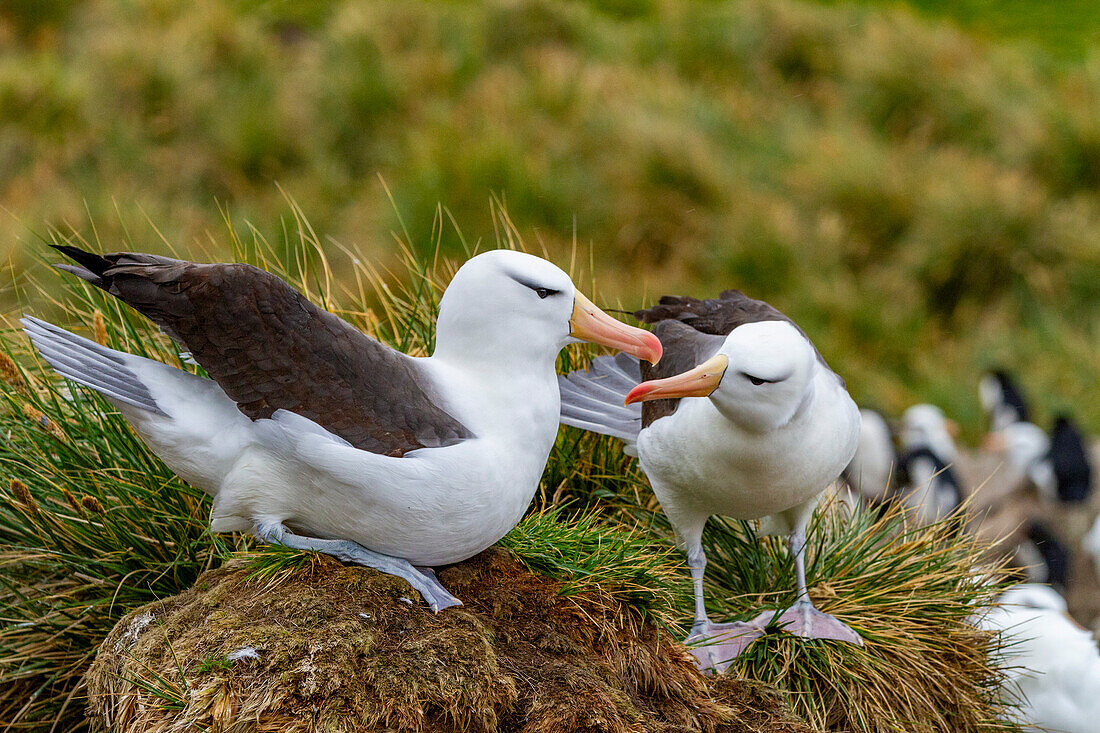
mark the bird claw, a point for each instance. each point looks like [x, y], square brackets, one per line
[425, 582]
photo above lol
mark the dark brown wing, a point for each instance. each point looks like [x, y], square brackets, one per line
[692, 330]
[269, 348]
[717, 316]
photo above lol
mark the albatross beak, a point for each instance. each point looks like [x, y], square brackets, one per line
[697, 382]
[589, 323]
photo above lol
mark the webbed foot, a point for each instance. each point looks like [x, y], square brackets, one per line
[425, 582]
[802, 619]
[715, 646]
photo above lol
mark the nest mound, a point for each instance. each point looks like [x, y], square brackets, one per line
[330, 647]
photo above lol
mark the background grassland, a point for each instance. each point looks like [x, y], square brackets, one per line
[923, 202]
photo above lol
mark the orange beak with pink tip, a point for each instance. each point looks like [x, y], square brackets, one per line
[698, 382]
[589, 323]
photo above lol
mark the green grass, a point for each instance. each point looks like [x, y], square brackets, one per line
[1067, 29]
[922, 201]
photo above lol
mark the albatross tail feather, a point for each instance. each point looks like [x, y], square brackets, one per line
[90, 364]
[593, 399]
[187, 420]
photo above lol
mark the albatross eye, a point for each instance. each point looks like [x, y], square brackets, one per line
[544, 292]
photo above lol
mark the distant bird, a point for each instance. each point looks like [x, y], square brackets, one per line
[1043, 557]
[312, 435]
[1051, 664]
[1002, 400]
[741, 418]
[1026, 449]
[873, 471]
[1070, 461]
[933, 489]
[1090, 543]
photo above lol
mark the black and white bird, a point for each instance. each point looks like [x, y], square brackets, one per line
[932, 488]
[741, 418]
[313, 435]
[1026, 450]
[1058, 465]
[1002, 400]
[1043, 557]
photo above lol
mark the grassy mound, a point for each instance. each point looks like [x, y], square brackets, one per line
[93, 527]
[908, 590]
[343, 649]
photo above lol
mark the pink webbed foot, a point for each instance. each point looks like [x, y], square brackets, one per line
[715, 646]
[802, 619]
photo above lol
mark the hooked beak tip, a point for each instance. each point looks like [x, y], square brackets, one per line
[637, 394]
[589, 323]
[653, 347]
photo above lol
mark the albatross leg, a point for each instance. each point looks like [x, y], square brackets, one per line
[802, 619]
[714, 646]
[425, 583]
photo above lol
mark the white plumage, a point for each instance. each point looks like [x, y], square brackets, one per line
[1052, 664]
[1026, 449]
[1090, 543]
[874, 465]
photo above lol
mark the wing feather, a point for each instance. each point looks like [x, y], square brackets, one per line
[271, 349]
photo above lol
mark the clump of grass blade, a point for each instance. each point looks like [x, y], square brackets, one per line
[909, 590]
[587, 549]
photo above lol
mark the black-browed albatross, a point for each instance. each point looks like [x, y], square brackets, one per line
[741, 418]
[313, 435]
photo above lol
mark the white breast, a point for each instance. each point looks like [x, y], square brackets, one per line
[701, 461]
[432, 506]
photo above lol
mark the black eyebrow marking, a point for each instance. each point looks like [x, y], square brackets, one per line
[541, 290]
[760, 380]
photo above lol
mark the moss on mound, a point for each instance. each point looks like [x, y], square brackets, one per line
[328, 647]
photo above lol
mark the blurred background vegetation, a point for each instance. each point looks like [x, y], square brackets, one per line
[916, 184]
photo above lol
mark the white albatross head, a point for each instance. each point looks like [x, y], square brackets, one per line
[512, 308]
[760, 377]
[925, 426]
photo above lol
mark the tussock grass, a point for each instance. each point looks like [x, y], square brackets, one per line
[626, 564]
[908, 590]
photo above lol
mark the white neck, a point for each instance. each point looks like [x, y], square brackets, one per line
[515, 400]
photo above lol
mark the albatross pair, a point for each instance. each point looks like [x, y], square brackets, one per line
[315, 436]
[741, 418]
